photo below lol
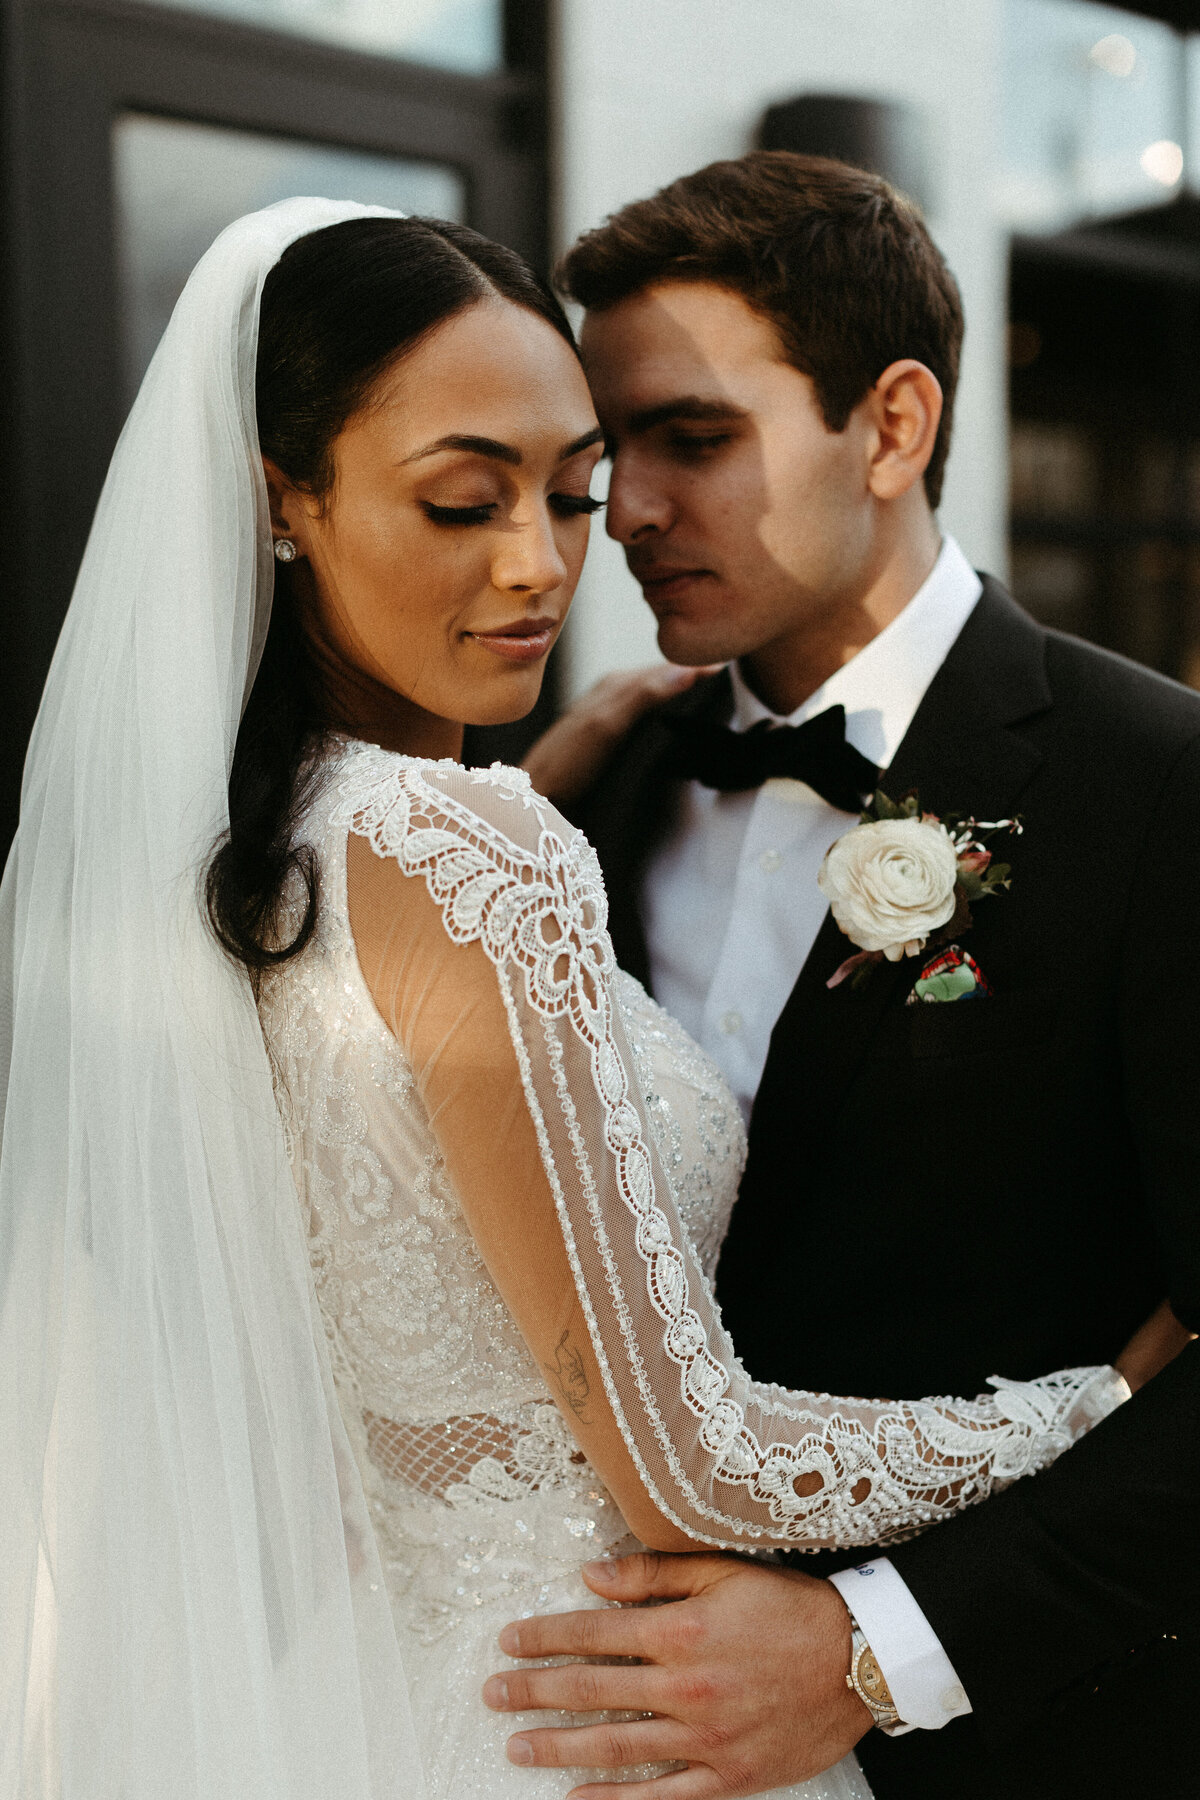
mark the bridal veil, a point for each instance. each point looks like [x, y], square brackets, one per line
[190, 1600]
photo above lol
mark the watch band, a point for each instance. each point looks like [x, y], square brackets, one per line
[867, 1680]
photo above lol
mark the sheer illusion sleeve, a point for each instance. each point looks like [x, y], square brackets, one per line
[479, 916]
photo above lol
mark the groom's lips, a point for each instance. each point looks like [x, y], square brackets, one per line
[666, 583]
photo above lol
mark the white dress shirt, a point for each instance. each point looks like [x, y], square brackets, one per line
[732, 909]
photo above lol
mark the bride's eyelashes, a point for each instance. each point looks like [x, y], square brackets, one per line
[567, 506]
[459, 515]
[573, 506]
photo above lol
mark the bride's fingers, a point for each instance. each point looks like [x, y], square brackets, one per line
[579, 1687]
[1152, 1347]
[611, 1745]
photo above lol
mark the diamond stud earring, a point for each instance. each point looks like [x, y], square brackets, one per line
[285, 550]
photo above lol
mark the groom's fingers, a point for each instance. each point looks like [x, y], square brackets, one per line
[695, 1783]
[573, 753]
[612, 1745]
[655, 1575]
[629, 1580]
[579, 1688]
[596, 1633]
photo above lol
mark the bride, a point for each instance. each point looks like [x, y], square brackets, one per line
[357, 1214]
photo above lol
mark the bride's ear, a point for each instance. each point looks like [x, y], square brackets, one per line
[287, 513]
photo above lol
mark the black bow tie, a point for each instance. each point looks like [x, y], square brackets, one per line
[815, 752]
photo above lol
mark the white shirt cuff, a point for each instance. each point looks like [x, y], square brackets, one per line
[922, 1679]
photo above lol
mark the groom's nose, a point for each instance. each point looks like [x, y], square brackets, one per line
[637, 503]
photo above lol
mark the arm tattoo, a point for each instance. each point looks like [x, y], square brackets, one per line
[569, 1372]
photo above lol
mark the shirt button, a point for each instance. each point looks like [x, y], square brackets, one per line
[953, 1700]
[769, 861]
[731, 1023]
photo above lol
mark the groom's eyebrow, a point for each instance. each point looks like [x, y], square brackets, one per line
[691, 408]
[505, 453]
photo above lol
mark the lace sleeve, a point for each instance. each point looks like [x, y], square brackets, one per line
[496, 937]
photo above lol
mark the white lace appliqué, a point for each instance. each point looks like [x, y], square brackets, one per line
[810, 1470]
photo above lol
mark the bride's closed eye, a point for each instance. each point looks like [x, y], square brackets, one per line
[571, 506]
[567, 506]
[459, 515]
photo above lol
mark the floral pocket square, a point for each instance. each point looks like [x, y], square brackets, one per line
[950, 975]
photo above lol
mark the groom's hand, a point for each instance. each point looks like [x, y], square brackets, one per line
[744, 1672]
[573, 753]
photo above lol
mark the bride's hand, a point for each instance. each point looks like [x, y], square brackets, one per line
[568, 758]
[1152, 1347]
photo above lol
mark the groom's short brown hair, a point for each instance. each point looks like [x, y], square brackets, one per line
[839, 262]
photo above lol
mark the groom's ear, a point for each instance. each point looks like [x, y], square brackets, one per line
[905, 409]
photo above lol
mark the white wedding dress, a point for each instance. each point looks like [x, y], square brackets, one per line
[483, 1506]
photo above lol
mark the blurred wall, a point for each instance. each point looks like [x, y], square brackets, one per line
[648, 89]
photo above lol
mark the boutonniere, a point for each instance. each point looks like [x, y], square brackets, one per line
[903, 878]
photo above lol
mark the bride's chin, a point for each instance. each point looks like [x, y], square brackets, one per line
[515, 700]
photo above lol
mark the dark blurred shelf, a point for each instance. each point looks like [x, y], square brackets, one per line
[1084, 534]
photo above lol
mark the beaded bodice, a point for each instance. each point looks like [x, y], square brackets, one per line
[460, 1425]
[395, 1265]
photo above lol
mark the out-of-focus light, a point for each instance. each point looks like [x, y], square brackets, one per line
[1163, 162]
[1114, 54]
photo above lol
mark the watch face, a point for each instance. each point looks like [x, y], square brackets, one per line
[870, 1676]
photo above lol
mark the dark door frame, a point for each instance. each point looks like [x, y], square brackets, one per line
[70, 66]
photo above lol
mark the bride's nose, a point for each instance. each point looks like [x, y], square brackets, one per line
[527, 558]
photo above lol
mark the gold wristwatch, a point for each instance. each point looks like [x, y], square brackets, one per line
[867, 1680]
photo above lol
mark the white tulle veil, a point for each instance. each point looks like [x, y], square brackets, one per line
[191, 1606]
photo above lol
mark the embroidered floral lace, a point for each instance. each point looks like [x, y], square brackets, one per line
[641, 1149]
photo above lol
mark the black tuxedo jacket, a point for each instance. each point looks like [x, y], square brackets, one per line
[938, 1193]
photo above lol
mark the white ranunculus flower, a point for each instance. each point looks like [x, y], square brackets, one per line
[891, 884]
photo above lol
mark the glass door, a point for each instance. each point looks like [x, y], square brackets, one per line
[136, 131]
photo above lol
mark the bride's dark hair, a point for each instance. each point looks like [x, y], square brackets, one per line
[339, 307]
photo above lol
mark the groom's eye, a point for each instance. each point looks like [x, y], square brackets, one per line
[694, 446]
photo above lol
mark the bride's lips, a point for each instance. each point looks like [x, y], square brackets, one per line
[523, 641]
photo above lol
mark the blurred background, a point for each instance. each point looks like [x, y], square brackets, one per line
[1054, 145]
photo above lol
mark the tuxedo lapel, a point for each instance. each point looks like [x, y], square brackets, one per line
[962, 755]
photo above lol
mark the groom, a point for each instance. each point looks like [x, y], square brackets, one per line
[1005, 1181]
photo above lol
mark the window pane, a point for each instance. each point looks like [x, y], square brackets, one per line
[1092, 113]
[178, 185]
[454, 34]
[1054, 472]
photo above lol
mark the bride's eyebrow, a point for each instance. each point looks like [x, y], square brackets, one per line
[505, 453]
[478, 446]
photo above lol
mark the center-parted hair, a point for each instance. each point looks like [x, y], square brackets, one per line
[838, 261]
[339, 310]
